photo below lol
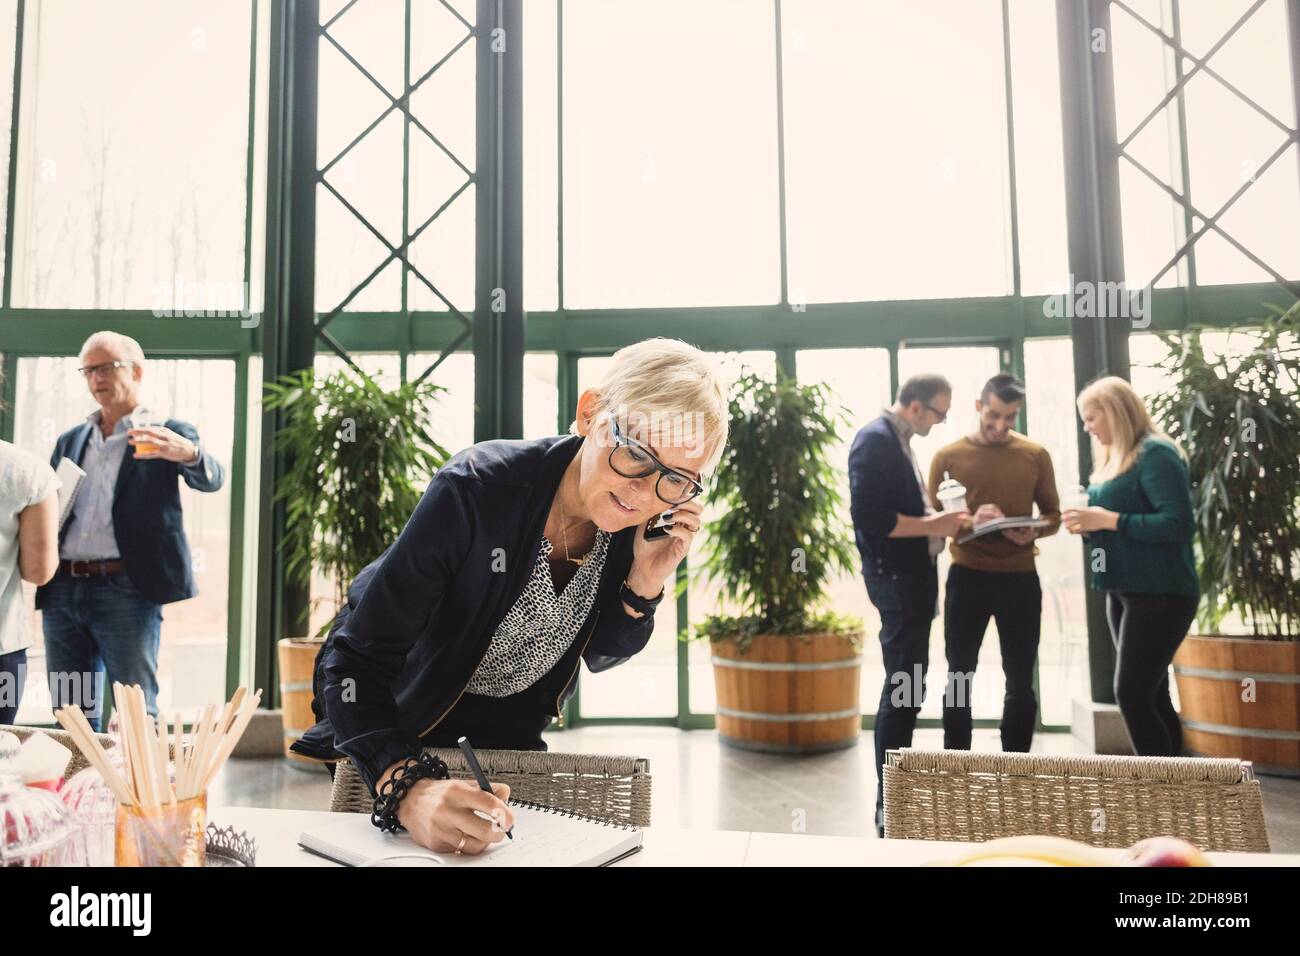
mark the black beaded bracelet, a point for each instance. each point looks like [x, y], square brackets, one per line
[399, 784]
[636, 602]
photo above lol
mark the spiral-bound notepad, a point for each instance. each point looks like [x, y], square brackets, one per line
[542, 837]
[70, 475]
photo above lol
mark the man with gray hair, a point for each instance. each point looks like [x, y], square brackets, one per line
[123, 552]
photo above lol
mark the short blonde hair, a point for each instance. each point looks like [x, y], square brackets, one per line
[121, 345]
[667, 377]
[1129, 422]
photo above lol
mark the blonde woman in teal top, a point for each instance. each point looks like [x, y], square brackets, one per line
[1139, 526]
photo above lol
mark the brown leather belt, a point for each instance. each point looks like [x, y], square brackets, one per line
[91, 569]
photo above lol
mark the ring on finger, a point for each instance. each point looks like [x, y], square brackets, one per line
[460, 847]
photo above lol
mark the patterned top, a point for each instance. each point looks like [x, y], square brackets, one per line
[541, 626]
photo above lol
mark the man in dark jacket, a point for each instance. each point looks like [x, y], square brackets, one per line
[899, 537]
[122, 551]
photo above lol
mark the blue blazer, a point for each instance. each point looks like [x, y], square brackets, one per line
[147, 513]
[882, 485]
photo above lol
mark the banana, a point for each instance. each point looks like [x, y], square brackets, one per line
[1058, 851]
[1050, 850]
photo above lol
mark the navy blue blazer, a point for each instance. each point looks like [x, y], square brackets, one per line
[147, 513]
[882, 485]
[421, 616]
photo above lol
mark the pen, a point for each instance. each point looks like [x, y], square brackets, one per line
[481, 777]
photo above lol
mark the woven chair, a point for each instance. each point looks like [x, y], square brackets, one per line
[78, 761]
[1101, 800]
[609, 789]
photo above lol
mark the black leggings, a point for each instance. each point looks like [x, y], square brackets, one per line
[1146, 630]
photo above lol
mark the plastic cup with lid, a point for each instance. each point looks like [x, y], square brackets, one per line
[1074, 498]
[952, 494]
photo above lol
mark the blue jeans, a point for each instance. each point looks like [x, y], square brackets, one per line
[13, 671]
[96, 625]
[906, 603]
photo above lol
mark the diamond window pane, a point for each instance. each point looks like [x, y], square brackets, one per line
[434, 148]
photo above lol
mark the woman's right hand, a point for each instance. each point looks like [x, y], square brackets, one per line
[439, 813]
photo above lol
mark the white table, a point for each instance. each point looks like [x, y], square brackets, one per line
[276, 833]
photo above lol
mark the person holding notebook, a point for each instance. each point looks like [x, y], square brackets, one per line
[994, 576]
[522, 559]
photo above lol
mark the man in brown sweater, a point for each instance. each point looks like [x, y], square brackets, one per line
[1005, 474]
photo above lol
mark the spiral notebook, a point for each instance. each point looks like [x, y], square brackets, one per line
[542, 837]
[1001, 524]
[70, 476]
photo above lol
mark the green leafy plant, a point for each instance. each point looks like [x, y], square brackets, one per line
[782, 536]
[1238, 419]
[359, 458]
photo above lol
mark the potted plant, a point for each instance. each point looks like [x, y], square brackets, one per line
[359, 457]
[786, 670]
[1238, 418]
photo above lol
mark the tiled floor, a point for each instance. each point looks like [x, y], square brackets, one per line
[700, 784]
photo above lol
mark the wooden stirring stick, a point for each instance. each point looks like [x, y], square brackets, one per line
[74, 722]
[232, 738]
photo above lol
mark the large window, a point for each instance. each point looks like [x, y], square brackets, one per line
[8, 40]
[895, 137]
[132, 159]
[1052, 422]
[670, 174]
[859, 381]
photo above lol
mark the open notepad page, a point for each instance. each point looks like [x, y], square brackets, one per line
[541, 838]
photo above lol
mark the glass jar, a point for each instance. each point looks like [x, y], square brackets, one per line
[170, 835]
[92, 807]
[35, 828]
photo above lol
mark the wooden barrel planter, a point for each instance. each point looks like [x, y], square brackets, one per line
[1212, 675]
[796, 695]
[297, 661]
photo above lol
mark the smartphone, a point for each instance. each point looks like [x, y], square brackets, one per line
[657, 527]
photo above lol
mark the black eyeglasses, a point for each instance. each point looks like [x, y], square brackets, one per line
[106, 368]
[943, 416]
[631, 459]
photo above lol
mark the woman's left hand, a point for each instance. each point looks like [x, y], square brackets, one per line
[653, 561]
[1092, 518]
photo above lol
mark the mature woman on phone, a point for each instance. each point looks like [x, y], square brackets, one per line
[522, 559]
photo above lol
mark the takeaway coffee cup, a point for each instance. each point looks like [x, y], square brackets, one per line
[952, 494]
